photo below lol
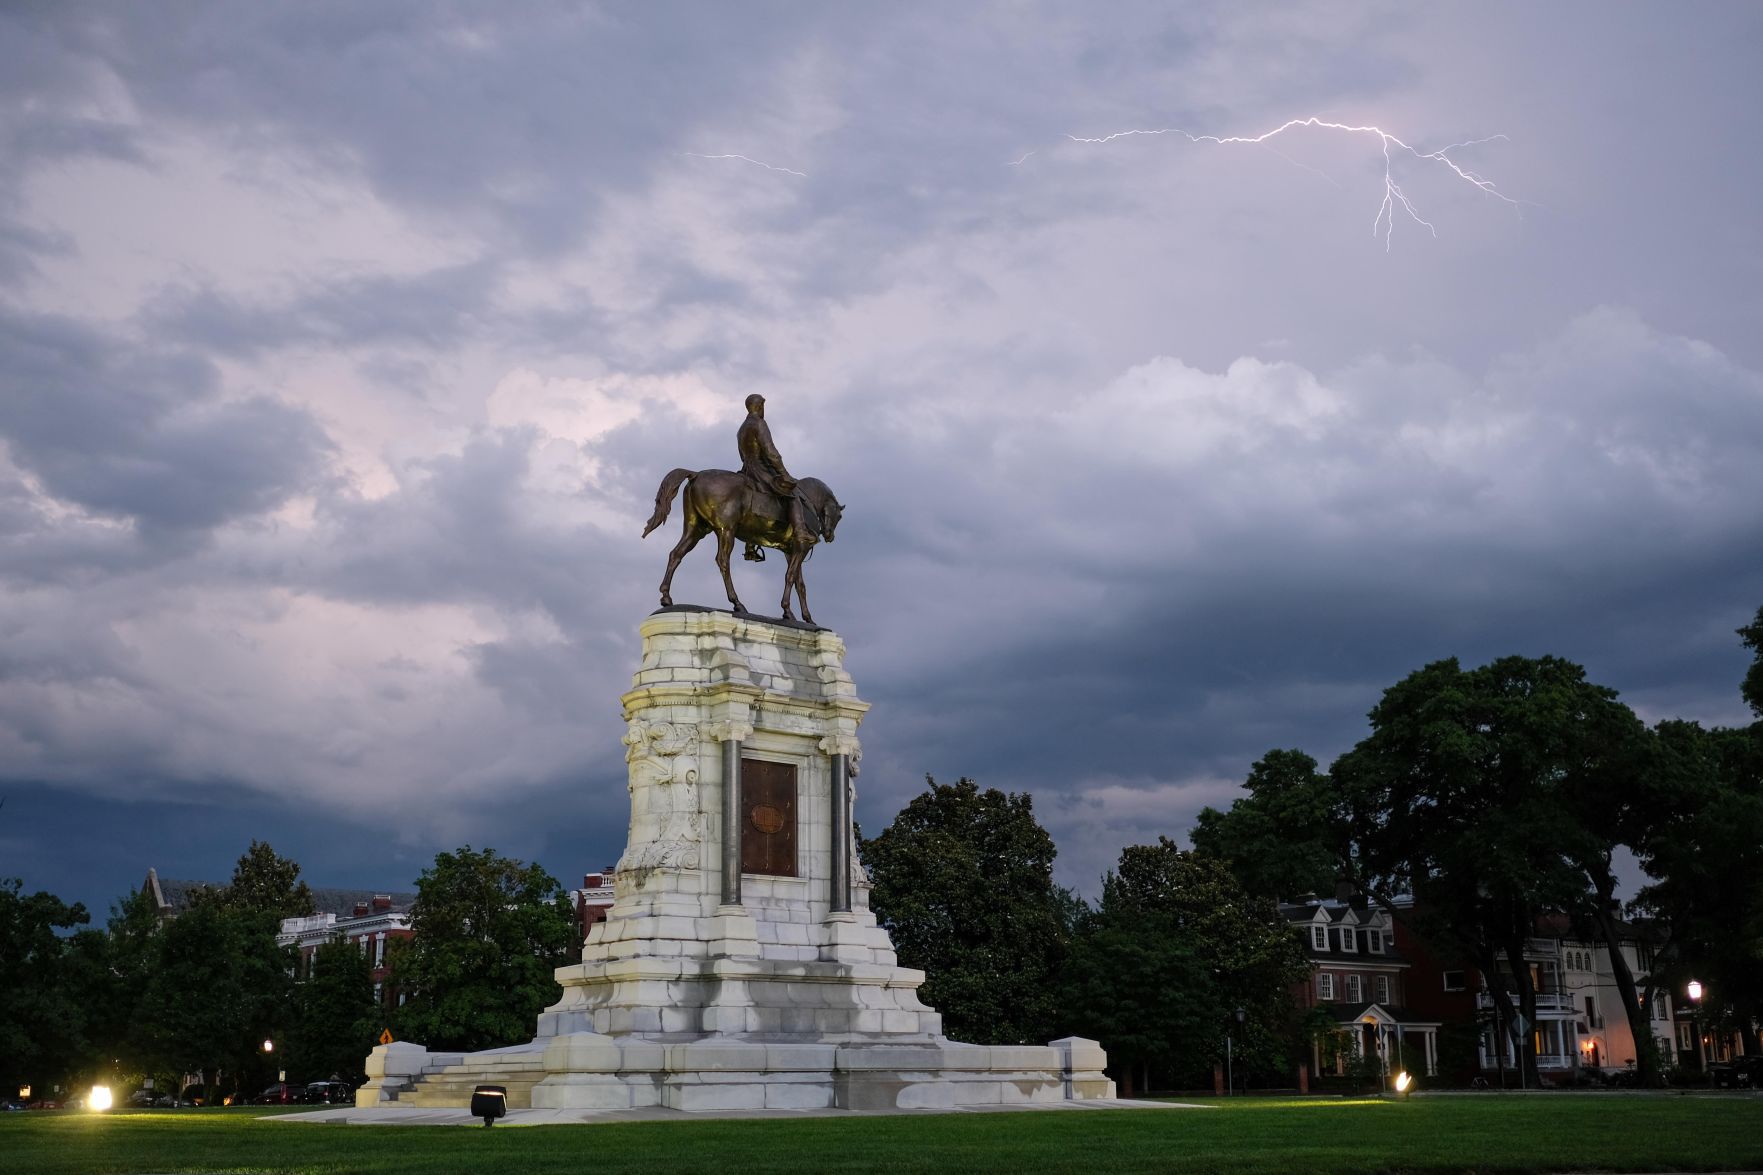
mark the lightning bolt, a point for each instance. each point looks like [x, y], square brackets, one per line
[1394, 197]
[1019, 162]
[745, 159]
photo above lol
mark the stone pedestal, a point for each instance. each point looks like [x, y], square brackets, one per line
[739, 966]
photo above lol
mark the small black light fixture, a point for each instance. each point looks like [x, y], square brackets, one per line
[489, 1102]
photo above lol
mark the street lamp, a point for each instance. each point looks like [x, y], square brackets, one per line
[1229, 1076]
[1694, 990]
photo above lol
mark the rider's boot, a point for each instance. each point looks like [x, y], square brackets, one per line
[755, 553]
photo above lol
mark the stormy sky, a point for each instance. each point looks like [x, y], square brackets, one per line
[343, 345]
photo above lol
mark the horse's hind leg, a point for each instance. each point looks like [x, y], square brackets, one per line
[695, 530]
[725, 545]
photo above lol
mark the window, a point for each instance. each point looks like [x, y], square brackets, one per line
[1374, 941]
[1353, 989]
[1685, 1039]
[1349, 942]
[1325, 987]
[1455, 981]
[1382, 986]
[1658, 1005]
[1319, 937]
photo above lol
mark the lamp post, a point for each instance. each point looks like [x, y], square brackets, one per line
[1694, 990]
[1229, 1075]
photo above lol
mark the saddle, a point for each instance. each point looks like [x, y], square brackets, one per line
[761, 503]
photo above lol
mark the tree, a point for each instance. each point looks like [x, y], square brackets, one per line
[1283, 839]
[1174, 949]
[1752, 689]
[487, 932]
[1705, 861]
[336, 1017]
[963, 881]
[1458, 797]
[265, 882]
[220, 986]
[42, 1020]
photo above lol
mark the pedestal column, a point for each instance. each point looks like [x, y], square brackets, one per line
[843, 751]
[731, 735]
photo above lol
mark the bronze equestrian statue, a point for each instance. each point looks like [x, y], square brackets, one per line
[762, 505]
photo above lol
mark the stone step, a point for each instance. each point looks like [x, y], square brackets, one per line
[451, 1088]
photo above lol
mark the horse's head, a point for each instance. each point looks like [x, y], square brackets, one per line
[829, 517]
[825, 506]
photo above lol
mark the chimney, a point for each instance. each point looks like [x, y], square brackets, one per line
[360, 909]
[593, 881]
[382, 901]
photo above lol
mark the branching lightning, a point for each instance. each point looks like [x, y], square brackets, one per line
[745, 159]
[1393, 195]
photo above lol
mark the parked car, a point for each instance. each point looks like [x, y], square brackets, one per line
[139, 1098]
[329, 1093]
[193, 1095]
[11, 1106]
[280, 1094]
[1738, 1073]
[45, 1104]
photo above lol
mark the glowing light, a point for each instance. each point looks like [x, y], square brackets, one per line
[746, 159]
[268, 1045]
[100, 1097]
[1694, 990]
[1393, 195]
[1403, 1081]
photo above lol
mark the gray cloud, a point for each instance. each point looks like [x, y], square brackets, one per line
[347, 345]
[140, 434]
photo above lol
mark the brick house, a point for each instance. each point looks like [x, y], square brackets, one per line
[1359, 979]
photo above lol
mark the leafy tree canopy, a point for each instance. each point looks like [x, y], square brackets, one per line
[1283, 839]
[963, 880]
[266, 882]
[1752, 635]
[42, 1019]
[1175, 948]
[488, 932]
[336, 1017]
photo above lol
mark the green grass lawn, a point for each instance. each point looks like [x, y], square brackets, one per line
[1484, 1132]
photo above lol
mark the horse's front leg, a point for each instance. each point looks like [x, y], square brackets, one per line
[801, 590]
[725, 546]
[687, 541]
[793, 577]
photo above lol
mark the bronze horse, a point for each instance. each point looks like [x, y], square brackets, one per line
[726, 503]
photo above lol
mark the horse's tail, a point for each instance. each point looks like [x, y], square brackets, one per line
[664, 496]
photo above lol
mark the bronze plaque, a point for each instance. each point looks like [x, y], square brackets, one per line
[768, 816]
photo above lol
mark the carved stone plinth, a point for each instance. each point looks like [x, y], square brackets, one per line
[712, 986]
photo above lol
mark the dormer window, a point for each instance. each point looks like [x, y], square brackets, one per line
[1319, 937]
[1348, 942]
[1374, 941]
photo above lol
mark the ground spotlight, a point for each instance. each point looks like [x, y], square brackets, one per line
[489, 1102]
[100, 1098]
[1403, 1081]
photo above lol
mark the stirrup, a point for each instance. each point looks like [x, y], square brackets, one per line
[754, 554]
